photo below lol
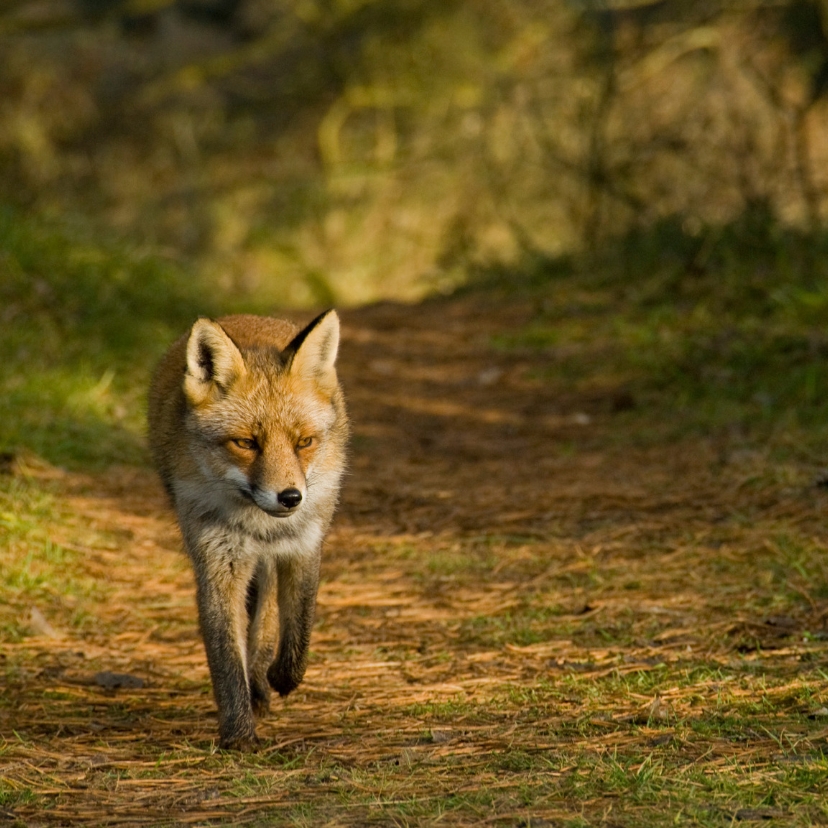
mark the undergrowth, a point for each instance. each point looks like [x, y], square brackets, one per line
[720, 331]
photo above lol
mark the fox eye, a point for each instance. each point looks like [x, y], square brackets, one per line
[304, 442]
[245, 443]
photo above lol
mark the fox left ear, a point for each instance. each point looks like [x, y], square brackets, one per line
[312, 352]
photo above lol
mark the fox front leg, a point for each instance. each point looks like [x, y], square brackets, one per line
[263, 633]
[221, 592]
[298, 582]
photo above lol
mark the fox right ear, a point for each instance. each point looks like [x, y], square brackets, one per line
[213, 361]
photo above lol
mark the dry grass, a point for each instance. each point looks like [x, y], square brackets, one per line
[529, 616]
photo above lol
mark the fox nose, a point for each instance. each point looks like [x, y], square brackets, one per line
[290, 498]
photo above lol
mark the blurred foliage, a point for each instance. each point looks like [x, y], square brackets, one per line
[314, 150]
[277, 153]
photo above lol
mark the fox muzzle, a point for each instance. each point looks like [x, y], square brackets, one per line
[277, 504]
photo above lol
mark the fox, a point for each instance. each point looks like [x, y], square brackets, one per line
[248, 432]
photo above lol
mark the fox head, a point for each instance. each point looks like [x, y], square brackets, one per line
[266, 424]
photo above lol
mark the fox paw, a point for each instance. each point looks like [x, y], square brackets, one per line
[281, 680]
[260, 700]
[243, 744]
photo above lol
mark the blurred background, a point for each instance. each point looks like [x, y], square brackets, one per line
[341, 151]
[649, 177]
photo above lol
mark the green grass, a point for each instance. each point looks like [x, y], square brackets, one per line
[35, 571]
[83, 322]
[722, 331]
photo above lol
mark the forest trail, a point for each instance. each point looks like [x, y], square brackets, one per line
[498, 548]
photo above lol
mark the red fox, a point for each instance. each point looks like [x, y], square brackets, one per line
[248, 431]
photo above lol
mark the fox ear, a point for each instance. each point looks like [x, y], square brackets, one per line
[213, 361]
[312, 352]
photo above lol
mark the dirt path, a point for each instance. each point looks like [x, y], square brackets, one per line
[493, 539]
